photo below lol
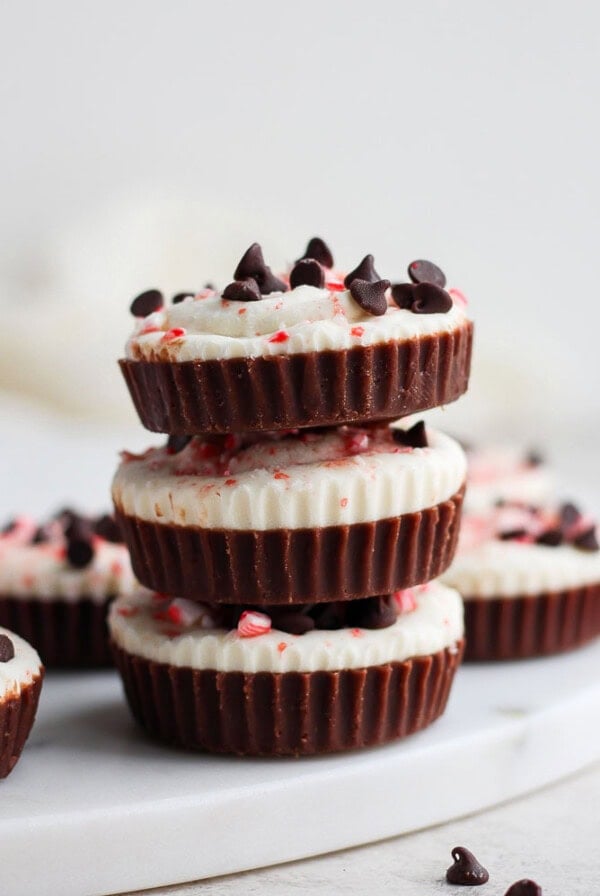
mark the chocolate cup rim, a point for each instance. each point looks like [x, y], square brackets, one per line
[286, 566]
[527, 626]
[286, 713]
[288, 391]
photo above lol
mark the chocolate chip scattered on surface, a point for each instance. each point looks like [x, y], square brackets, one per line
[242, 291]
[422, 271]
[320, 251]
[421, 298]
[252, 265]
[180, 296]
[364, 271]
[588, 540]
[146, 303]
[370, 296]
[79, 550]
[175, 443]
[552, 538]
[415, 437]
[569, 514]
[524, 887]
[307, 272]
[7, 649]
[466, 870]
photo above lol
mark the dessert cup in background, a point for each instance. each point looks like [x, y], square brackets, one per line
[505, 472]
[326, 515]
[57, 579]
[256, 689]
[21, 677]
[530, 579]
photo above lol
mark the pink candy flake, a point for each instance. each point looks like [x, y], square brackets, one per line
[344, 502]
[173, 333]
[230, 481]
[252, 624]
[280, 336]
[335, 286]
[459, 297]
[356, 632]
[127, 611]
[357, 331]
[184, 612]
[405, 600]
[356, 442]
[281, 646]
[241, 310]
[280, 475]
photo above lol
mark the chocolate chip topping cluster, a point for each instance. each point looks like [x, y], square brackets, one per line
[569, 526]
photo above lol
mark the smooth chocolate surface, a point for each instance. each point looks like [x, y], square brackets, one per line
[328, 388]
[287, 713]
[284, 566]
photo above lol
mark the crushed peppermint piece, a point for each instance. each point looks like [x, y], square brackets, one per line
[173, 333]
[184, 612]
[251, 624]
[406, 600]
[357, 331]
[280, 336]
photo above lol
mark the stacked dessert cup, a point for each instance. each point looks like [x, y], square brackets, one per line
[291, 529]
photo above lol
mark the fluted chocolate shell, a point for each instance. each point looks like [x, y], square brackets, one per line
[327, 388]
[66, 634]
[510, 628]
[286, 713]
[17, 715]
[281, 566]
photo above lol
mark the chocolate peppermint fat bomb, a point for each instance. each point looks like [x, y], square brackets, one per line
[312, 348]
[308, 516]
[21, 676]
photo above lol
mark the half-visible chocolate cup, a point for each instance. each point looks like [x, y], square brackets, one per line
[510, 628]
[287, 713]
[280, 566]
[382, 382]
[66, 633]
[17, 715]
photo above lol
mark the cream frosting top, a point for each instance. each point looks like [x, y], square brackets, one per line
[19, 672]
[436, 623]
[335, 477]
[40, 570]
[502, 472]
[305, 319]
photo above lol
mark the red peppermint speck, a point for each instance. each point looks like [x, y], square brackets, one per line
[241, 310]
[173, 333]
[127, 611]
[405, 600]
[335, 286]
[357, 331]
[281, 646]
[344, 502]
[174, 615]
[356, 632]
[252, 624]
[116, 568]
[230, 481]
[280, 336]
[280, 475]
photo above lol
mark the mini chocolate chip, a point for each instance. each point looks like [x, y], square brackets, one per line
[370, 295]
[252, 265]
[307, 272]
[320, 251]
[422, 298]
[587, 541]
[146, 303]
[373, 612]
[569, 514]
[524, 887]
[180, 296]
[552, 538]
[40, 535]
[175, 444]
[534, 458]
[328, 616]
[107, 528]
[466, 870]
[7, 649]
[403, 294]
[79, 551]
[293, 623]
[426, 272]
[242, 291]
[509, 534]
[8, 527]
[209, 285]
[364, 271]
[415, 437]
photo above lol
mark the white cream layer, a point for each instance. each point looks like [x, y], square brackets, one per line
[511, 568]
[21, 670]
[435, 624]
[311, 320]
[292, 483]
[500, 472]
[40, 571]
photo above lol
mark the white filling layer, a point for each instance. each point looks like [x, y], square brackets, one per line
[501, 473]
[21, 670]
[310, 319]
[510, 568]
[292, 483]
[435, 624]
[40, 571]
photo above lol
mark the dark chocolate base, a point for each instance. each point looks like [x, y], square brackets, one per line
[287, 713]
[328, 388]
[282, 566]
[530, 626]
[66, 634]
[17, 715]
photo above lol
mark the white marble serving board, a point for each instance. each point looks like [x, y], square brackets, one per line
[95, 808]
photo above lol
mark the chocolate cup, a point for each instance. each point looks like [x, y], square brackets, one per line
[282, 566]
[17, 715]
[511, 628]
[66, 634]
[286, 713]
[327, 388]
